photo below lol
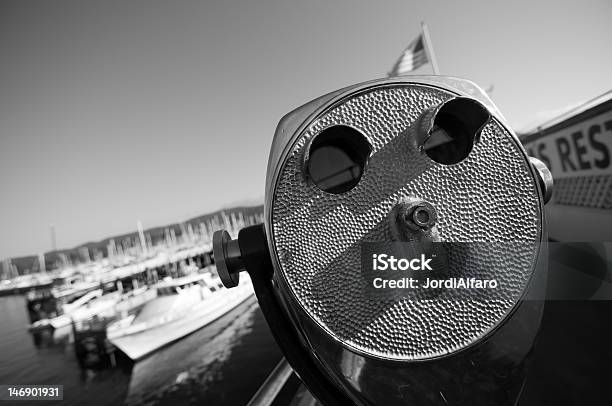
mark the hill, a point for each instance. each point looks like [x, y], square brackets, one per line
[27, 264]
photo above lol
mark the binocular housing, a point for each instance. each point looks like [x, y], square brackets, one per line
[375, 185]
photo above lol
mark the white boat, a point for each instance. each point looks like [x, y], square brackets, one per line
[183, 305]
[95, 303]
[64, 302]
[112, 305]
[25, 283]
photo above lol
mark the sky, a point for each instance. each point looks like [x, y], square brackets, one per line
[117, 111]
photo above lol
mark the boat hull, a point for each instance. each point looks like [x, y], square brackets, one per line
[142, 343]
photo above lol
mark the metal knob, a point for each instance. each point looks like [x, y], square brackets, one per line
[228, 258]
[545, 179]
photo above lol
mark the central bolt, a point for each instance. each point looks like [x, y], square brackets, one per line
[421, 217]
[420, 214]
[412, 216]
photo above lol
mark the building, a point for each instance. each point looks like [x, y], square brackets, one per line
[577, 148]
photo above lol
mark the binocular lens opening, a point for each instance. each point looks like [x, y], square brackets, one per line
[337, 158]
[456, 127]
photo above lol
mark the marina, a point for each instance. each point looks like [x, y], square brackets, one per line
[213, 361]
[110, 325]
[130, 304]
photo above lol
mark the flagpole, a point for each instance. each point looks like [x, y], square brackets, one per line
[429, 48]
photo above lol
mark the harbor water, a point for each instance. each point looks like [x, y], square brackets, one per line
[223, 363]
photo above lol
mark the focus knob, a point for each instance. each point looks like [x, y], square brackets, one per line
[228, 258]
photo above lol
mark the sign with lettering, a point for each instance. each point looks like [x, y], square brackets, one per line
[578, 150]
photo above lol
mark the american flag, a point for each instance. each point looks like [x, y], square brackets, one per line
[412, 58]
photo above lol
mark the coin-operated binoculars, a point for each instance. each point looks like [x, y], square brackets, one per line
[410, 160]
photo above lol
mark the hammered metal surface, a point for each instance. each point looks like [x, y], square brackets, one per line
[490, 197]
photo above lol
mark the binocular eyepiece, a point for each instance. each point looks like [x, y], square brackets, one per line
[369, 186]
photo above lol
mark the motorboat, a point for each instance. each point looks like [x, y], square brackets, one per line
[53, 309]
[182, 306]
